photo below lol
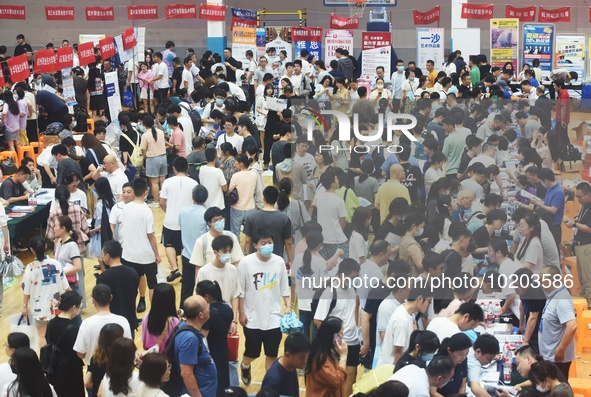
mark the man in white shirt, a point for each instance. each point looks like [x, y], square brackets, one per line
[186, 122]
[467, 317]
[438, 373]
[88, 334]
[176, 194]
[160, 79]
[47, 164]
[295, 82]
[331, 216]
[260, 91]
[117, 211]
[484, 353]
[252, 65]
[486, 157]
[213, 179]
[230, 135]
[187, 76]
[371, 269]
[397, 79]
[116, 177]
[260, 72]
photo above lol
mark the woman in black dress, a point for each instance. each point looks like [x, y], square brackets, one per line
[61, 330]
[216, 330]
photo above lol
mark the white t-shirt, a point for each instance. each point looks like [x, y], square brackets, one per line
[398, 331]
[5, 392]
[317, 272]
[88, 335]
[357, 246]
[385, 311]
[42, 282]
[188, 130]
[415, 379]
[6, 375]
[115, 218]
[213, 180]
[236, 141]
[331, 208]
[178, 193]
[197, 257]
[161, 70]
[507, 268]
[137, 222]
[431, 176]
[252, 67]
[116, 179]
[134, 384]
[227, 278]
[263, 284]
[443, 328]
[46, 158]
[188, 77]
[344, 309]
[76, 198]
[371, 272]
[483, 159]
[307, 161]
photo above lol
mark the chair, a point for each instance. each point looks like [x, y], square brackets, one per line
[9, 154]
[22, 150]
[583, 338]
[571, 263]
[90, 125]
[580, 386]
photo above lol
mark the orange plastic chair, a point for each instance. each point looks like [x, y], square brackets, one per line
[580, 386]
[583, 339]
[9, 154]
[90, 125]
[22, 150]
[571, 263]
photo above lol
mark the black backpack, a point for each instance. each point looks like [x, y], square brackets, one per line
[570, 153]
[316, 299]
[54, 128]
[174, 386]
[195, 118]
[50, 355]
[194, 173]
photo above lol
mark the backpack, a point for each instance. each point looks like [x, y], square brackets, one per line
[50, 355]
[54, 128]
[316, 299]
[197, 166]
[175, 384]
[194, 116]
[570, 153]
[137, 157]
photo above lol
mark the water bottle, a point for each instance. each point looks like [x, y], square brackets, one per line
[30, 199]
[490, 315]
[507, 362]
[497, 313]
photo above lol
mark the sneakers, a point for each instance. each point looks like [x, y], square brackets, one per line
[173, 276]
[154, 204]
[246, 377]
[141, 306]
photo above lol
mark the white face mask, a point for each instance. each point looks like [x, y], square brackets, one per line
[380, 86]
[542, 389]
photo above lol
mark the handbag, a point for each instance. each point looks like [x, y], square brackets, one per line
[233, 197]
[11, 266]
[8, 166]
[18, 324]
[233, 343]
[130, 172]
[128, 101]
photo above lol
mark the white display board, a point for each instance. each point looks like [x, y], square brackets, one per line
[466, 40]
[430, 46]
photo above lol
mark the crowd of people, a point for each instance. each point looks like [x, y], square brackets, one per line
[264, 214]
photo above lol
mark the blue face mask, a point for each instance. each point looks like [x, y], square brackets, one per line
[419, 232]
[427, 357]
[225, 258]
[15, 97]
[75, 124]
[267, 250]
[219, 225]
[219, 102]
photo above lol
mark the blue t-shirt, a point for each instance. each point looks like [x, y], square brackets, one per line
[555, 198]
[193, 225]
[279, 379]
[534, 83]
[186, 351]
[393, 159]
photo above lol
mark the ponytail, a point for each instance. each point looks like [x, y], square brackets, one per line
[285, 186]
[154, 134]
[148, 122]
[62, 195]
[313, 240]
[38, 245]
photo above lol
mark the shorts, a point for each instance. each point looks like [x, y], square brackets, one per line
[270, 339]
[150, 270]
[161, 93]
[97, 102]
[172, 238]
[144, 94]
[156, 166]
[353, 355]
[12, 135]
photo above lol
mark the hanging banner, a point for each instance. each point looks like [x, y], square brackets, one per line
[333, 39]
[430, 46]
[538, 42]
[65, 58]
[307, 39]
[428, 17]
[113, 95]
[12, 12]
[210, 12]
[524, 14]
[261, 42]
[570, 53]
[140, 34]
[375, 47]
[100, 13]
[142, 12]
[59, 13]
[244, 39]
[337, 22]
[477, 11]
[107, 46]
[2, 81]
[555, 15]
[45, 61]
[19, 68]
[504, 41]
[281, 45]
[129, 40]
[86, 53]
[124, 55]
[180, 11]
[242, 18]
[68, 87]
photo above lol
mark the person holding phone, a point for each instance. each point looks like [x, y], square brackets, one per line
[380, 92]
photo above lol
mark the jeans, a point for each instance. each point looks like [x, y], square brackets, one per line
[234, 379]
[310, 329]
[80, 289]
[237, 218]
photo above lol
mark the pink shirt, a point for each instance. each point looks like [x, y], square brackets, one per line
[149, 340]
[178, 139]
[245, 182]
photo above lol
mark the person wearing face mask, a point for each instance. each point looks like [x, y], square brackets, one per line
[407, 92]
[410, 249]
[545, 376]
[397, 80]
[421, 350]
[379, 92]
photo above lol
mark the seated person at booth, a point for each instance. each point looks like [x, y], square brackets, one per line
[12, 189]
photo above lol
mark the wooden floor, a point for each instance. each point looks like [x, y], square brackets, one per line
[13, 297]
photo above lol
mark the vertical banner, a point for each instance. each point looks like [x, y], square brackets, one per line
[68, 87]
[129, 40]
[307, 39]
[376, 49]
[334, 39]
[538, 42]
[19, 68]
[430, 47]
[261, 43]
[504, 42]
[570, 53]
[243, 39]
[113, 95]
[65, 58]
[45, 61]
[140, 34]
[86, 53]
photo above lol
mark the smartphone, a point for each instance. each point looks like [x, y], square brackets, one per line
[337, 339]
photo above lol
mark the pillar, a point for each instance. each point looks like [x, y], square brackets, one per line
[457, 22]
[216, 32]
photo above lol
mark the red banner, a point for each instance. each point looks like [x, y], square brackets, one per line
[100, 13]
[243, 23]
[427, 17]
[65, 58]
[306, 34]
[59, 13]
[12, 12]
[524, 14]
[2, 82]
[561, 14]
[371, 40]
[142, 12]
[86, 53]
[177, 11]
[477, 11]
[107, 46]
[45, 61]
[589, 14]
[19, 68]
[210, 12]
[337, 22]
[128, 38]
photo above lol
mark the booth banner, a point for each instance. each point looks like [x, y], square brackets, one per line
[100, 13]
[307, 39]
[129, 40]
[333, 39]
[561, 14]
[140, 34]
[19, 68]
[244, 39]
[180, 11]
[281, 45]
[107, 46]
[86, 53]
[524, 14]
[59, 13]
[337, 22]
[12, 12]
[313, 47]
[45, 61]
[538, 42]
[570, 53]
[210, 12]
[261, 42]
[504, 42]
[427, 17]
[65, 58]
[430, 46]
[375, 47]
[477, 11]
[243, 18]
[113, 95]
[68, 87]
[142, 12]
[124, 55]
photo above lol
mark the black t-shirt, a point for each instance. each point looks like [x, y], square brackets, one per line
[387, 228]
[97, 373]
[464, 162]
[231, 74]
[205, 73]
[276, 222]
[22, 49]
[407, 359]
[124, 282]
[374, 299]
[177, 74]
[534, 301]
[124, 144]
[282, 381]
[454, 384]
[220, 319]
[10, 188]
[481, 238]
[413, 180]
[59, 333]
[584, 218]
[453, 262]
[470, 123]
[484, 70]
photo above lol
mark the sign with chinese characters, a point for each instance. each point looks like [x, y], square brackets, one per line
[45, 61]
[430, 46]
[19, 68]
[178, 11]
[107, 46]
[477, 11]
[504, 42]
[210, 12]
[337, 22]
[333, 39]
[538, 43]
[243, 18]
[524, 14]
[555, 15]
[112, 90]
[12, 12]
[65, 58]
[68, 87]
[376, 50]
[59, 13]
[307, 39]
[86, 53]
[129, 40]
[142, 12]
[100, 13]
[243, 39]
[570, 53]
[428, 17]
